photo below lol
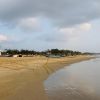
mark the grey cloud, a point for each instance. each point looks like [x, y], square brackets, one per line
[61, 12]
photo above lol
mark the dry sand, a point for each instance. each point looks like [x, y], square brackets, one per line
[22, 78]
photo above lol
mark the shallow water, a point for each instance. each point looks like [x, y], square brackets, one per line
[80, 81]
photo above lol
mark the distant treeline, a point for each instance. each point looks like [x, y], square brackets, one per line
[47, 52]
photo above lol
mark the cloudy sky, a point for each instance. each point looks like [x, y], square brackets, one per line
[45, 24]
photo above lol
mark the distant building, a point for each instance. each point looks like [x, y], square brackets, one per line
[0, 52]
[17, 55]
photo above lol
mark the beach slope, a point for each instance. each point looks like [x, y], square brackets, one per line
[22, 78]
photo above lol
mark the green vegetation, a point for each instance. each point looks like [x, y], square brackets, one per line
[55, 52]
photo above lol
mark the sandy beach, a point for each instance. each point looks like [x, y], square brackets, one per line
[22, 78]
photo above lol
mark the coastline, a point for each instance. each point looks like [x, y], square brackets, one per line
[22, 78]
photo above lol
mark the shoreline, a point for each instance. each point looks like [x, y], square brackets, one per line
[22, 78]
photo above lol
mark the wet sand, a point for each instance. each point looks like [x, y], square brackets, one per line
[22, 78]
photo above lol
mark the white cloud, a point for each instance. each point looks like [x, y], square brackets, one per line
[76, 31]
[29, 24]
[3, 38]
[66, 30]
[85, 26]
[67, 34]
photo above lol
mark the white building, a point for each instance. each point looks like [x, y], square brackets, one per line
[15, 56]
[0, 52]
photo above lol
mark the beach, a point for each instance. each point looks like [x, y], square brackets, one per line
[22, 78]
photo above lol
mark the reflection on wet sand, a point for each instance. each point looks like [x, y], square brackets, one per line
[78, 82]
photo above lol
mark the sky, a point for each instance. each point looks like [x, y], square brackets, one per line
[46, 24]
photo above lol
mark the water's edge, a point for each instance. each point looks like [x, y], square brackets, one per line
[49, 84]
